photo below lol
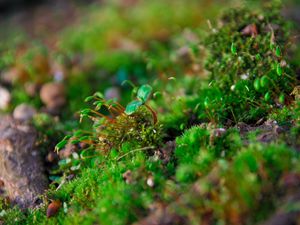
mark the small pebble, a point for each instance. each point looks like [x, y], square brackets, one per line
[24, 112]
[53, 95]
[5, 98]
[150, 181]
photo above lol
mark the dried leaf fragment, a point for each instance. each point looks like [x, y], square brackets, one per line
[250, 30]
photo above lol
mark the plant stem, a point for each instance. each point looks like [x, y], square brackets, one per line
[153, 113]
[135, 150]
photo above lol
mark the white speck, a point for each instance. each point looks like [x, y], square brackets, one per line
[232, 87]
[65, 207]
[75, 155]
[150, 182]
[245, 76]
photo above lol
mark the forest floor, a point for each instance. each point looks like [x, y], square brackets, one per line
[150, 112]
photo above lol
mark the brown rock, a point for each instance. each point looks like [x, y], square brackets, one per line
[5, 98]
[24, 112]
[21, 168]
[53, 95]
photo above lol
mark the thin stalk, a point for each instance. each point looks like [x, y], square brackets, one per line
[102, 115]
[135, 150]
[154, 115]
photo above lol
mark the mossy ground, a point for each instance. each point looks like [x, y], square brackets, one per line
[236, 148]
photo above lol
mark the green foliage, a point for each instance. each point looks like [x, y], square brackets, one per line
[133, 106]
[112, 126]
[144, 93]
[204, 166]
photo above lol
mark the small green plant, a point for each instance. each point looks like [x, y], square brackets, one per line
[143, 94]
[113, 125]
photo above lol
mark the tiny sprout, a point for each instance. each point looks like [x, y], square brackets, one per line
[60, 145]
[233, 49]
[278, 51]
[182, 126]
[89, 98]
[264, 81]
[281, 98]
[279, 70]
[157, 94]
[258, 57]
[256, 84]
[267, 96]
[206, 102]
[272, 46]
[99, 95]
[143, 94]
[247, 88]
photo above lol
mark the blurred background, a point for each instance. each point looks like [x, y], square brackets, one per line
[91, 45]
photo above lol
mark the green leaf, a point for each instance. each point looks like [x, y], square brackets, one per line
[133, 107]
[89, 98]
[258, 57]
[206, 102]
[267, 96]
[281, 98]
[233, 49]
[61, 145]
[85, 112]
[144, 92]
[99, 95]
[278, 51]
[264, 81]
[256, 84]
[99, 105]
[279, 69]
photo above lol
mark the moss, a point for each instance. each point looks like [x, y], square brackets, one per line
[250, 64]
[231, 191]
[217, 174]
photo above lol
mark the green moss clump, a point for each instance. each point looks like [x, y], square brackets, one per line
[248, 63]
[242, 190]
[137, 128]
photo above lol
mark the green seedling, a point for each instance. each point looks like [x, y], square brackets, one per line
[267, 96]
[264, 81]
[143, 94]
[279, 69]
[256, 84]
[233, 49]
[281, 98]
[278, 51]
